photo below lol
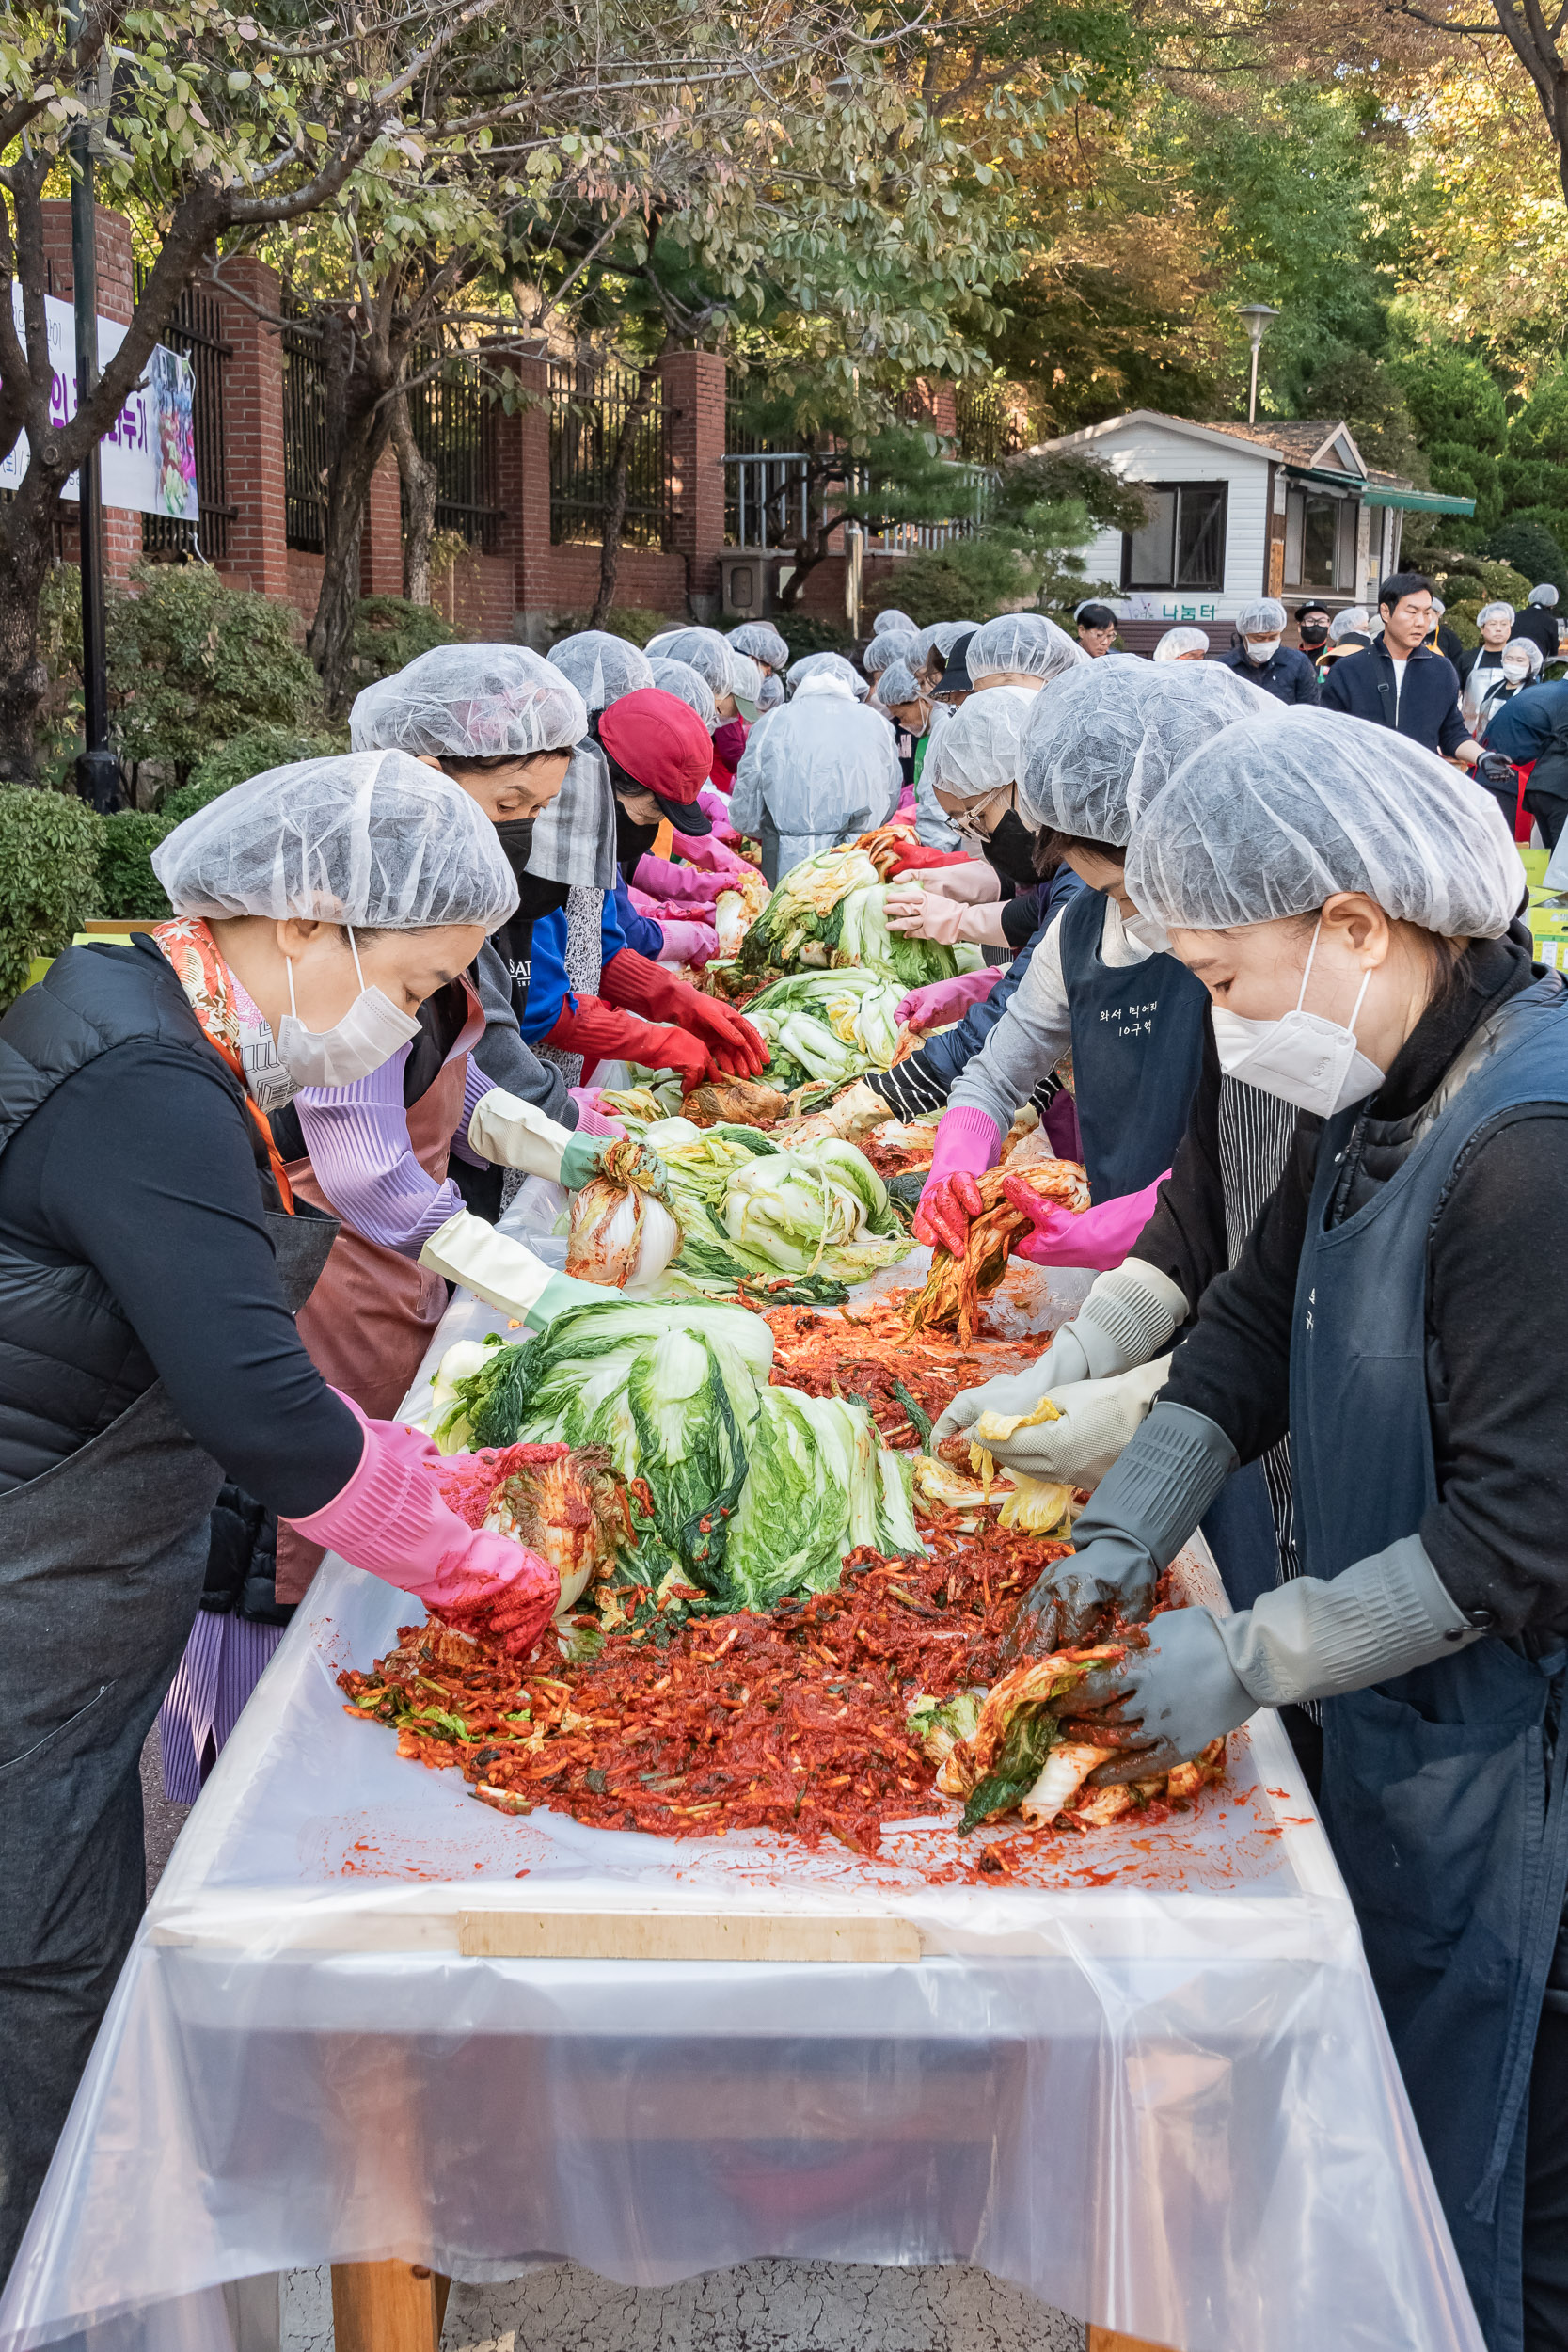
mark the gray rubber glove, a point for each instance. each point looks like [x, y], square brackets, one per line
[1098, 1421]
[1142, 1514]
[1127, 1318]
[501, 1271]
[1308, 1639]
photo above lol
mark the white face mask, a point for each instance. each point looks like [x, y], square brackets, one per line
[1262, 649]
[1144, 930]
[1301, 1057]
[369, 1034]
[1515, 671]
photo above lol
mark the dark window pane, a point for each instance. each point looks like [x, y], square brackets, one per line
[1151, 550]
[1317, 553]
[1200, 537]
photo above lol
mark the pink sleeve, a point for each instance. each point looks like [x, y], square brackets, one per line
[357, 1138]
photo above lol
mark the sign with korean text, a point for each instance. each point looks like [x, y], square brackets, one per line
[148, 456]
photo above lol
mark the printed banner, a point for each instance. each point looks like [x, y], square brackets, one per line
[148, 456]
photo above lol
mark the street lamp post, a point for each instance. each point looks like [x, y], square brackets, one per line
[98, 776]
[1256, 315]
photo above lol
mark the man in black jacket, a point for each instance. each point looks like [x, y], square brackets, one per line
[1262, 660]
[1401, 682]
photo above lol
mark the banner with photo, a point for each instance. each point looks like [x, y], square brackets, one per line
[148, 456]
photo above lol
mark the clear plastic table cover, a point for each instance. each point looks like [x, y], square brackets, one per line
[1153, 2086]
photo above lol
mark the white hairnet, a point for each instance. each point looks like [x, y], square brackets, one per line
[1265, 617]
[770, 695]
[1021, 641]
[1272, 817]
[745, 678]
[940, 638]
[1176, 641]
[1498, 612]
[600, 666]
[1353, 622]
[760, 641]
[470, 701]
[1438, 606]
[980, 750]
[1527, 646]
[371, 838]
[1105, 738]
[893, 623]
[827, 665]
[895, 645]
[704, 650]
[679, 677]
[1544, 594]
[897, 684]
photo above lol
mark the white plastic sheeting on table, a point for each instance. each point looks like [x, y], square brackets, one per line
[1152, 2087]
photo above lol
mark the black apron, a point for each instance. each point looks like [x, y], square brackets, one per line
[102, 1563]
[1443, 1790]
[1137, 1052]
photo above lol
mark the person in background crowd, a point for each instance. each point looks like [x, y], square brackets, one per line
[1399, 1311]
[973, 770]
[1480, 666]
[1349, 632]
[1019, 649]
[770, 695]
[894, 644]
[1533, 726]
[1401, 682]
[760, 641]
[1520, 667]
[1539, 618]
[932, 645]
[1097, 629]
[1441, 638]
[734, 681]
[153, 1258]
[1182, 644]
[893, 622]
[955, 686]
[822, 770]
[903, 695]
[1313, 622]
[827, 665]
[1262, 657]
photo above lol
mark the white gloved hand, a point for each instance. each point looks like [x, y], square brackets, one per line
[501, 1271]
[1097, 1418]
[1127, 1317]
[858, 1109]
[511, 1133]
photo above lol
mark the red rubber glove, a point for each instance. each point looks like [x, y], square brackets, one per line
[631, 979]
[968, 1142]
[600, 1032]
[918, 859]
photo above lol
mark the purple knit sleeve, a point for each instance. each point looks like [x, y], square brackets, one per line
[475, 1088]
[357, 1138]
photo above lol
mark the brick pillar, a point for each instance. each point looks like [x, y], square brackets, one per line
[381, 544]
[116, 300]
[694, 426]
[523, 489]
[258, 554]
[944, 410]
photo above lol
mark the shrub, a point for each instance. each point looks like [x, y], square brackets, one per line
[1471, 580]
[127, 887]
[1461, 618]
[1532, 549]
[49, 844]
[1466, 473]
[803, 633]
[636, 623]
[249, 754]
[389, 632]
[194, 663]
[1452, 398]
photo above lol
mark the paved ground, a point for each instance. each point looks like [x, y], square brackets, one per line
[164, 1820]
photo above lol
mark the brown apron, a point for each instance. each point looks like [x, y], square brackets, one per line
[370, 1318]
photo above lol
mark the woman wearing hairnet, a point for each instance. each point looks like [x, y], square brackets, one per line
[153, 1256]
[1019, 649]
[1102, 738]
[760, 641]
[1399, 1311]
[734, 681]
[909, 703]
[820, 772]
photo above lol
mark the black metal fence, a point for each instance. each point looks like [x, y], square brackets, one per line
[195, 331]
[304, 442]
[987, 428]
[589, 404]
[453, 422]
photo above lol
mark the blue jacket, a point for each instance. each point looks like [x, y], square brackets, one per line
[1522, 728]
[1362, 685]
[1288, 674]
[620, 926]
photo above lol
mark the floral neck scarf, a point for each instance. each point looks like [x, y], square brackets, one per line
[231, 1024]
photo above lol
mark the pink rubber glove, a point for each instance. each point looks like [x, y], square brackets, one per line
[941, 1001]
[391, 1519]
[715, 804]
[970, 880]
[906, 806]
[927, 914]
[672, 884]
[688, 943]
[1100, 1236]
[593, 1118]
[968, 1142]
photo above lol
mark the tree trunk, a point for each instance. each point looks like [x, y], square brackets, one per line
[26, 557]
[362, 430]
[620, 480]
[418, 491]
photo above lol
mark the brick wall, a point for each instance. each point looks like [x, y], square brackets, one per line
[259, 555]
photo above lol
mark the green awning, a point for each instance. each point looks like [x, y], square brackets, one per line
[1425, 501]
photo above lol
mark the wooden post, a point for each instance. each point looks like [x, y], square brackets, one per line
[387, 2307]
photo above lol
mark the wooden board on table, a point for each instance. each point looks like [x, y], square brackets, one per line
[387, 2307]
[1112, 2340]
[684, 1935]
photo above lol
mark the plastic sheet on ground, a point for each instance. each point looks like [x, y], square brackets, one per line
[1152, 2085]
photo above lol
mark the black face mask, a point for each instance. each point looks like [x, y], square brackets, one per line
[1314, 632]
[1011, 850]
[516, 839]
[632, 841]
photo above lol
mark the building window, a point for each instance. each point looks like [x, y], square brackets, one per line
[1320, 540]
[1182, 543]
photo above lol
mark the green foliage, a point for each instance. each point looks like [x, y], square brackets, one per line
[803, 633]
[1467, 473]
[249, 754]
[1461, 618]
[389, 632]
[970, 580]
[1540, 428]
[1472, 579]
[1453, 399]
[194, 663]
[48, 877]
[1530, 547]
[127, 887]
[1042, 509]
[1370, 399]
